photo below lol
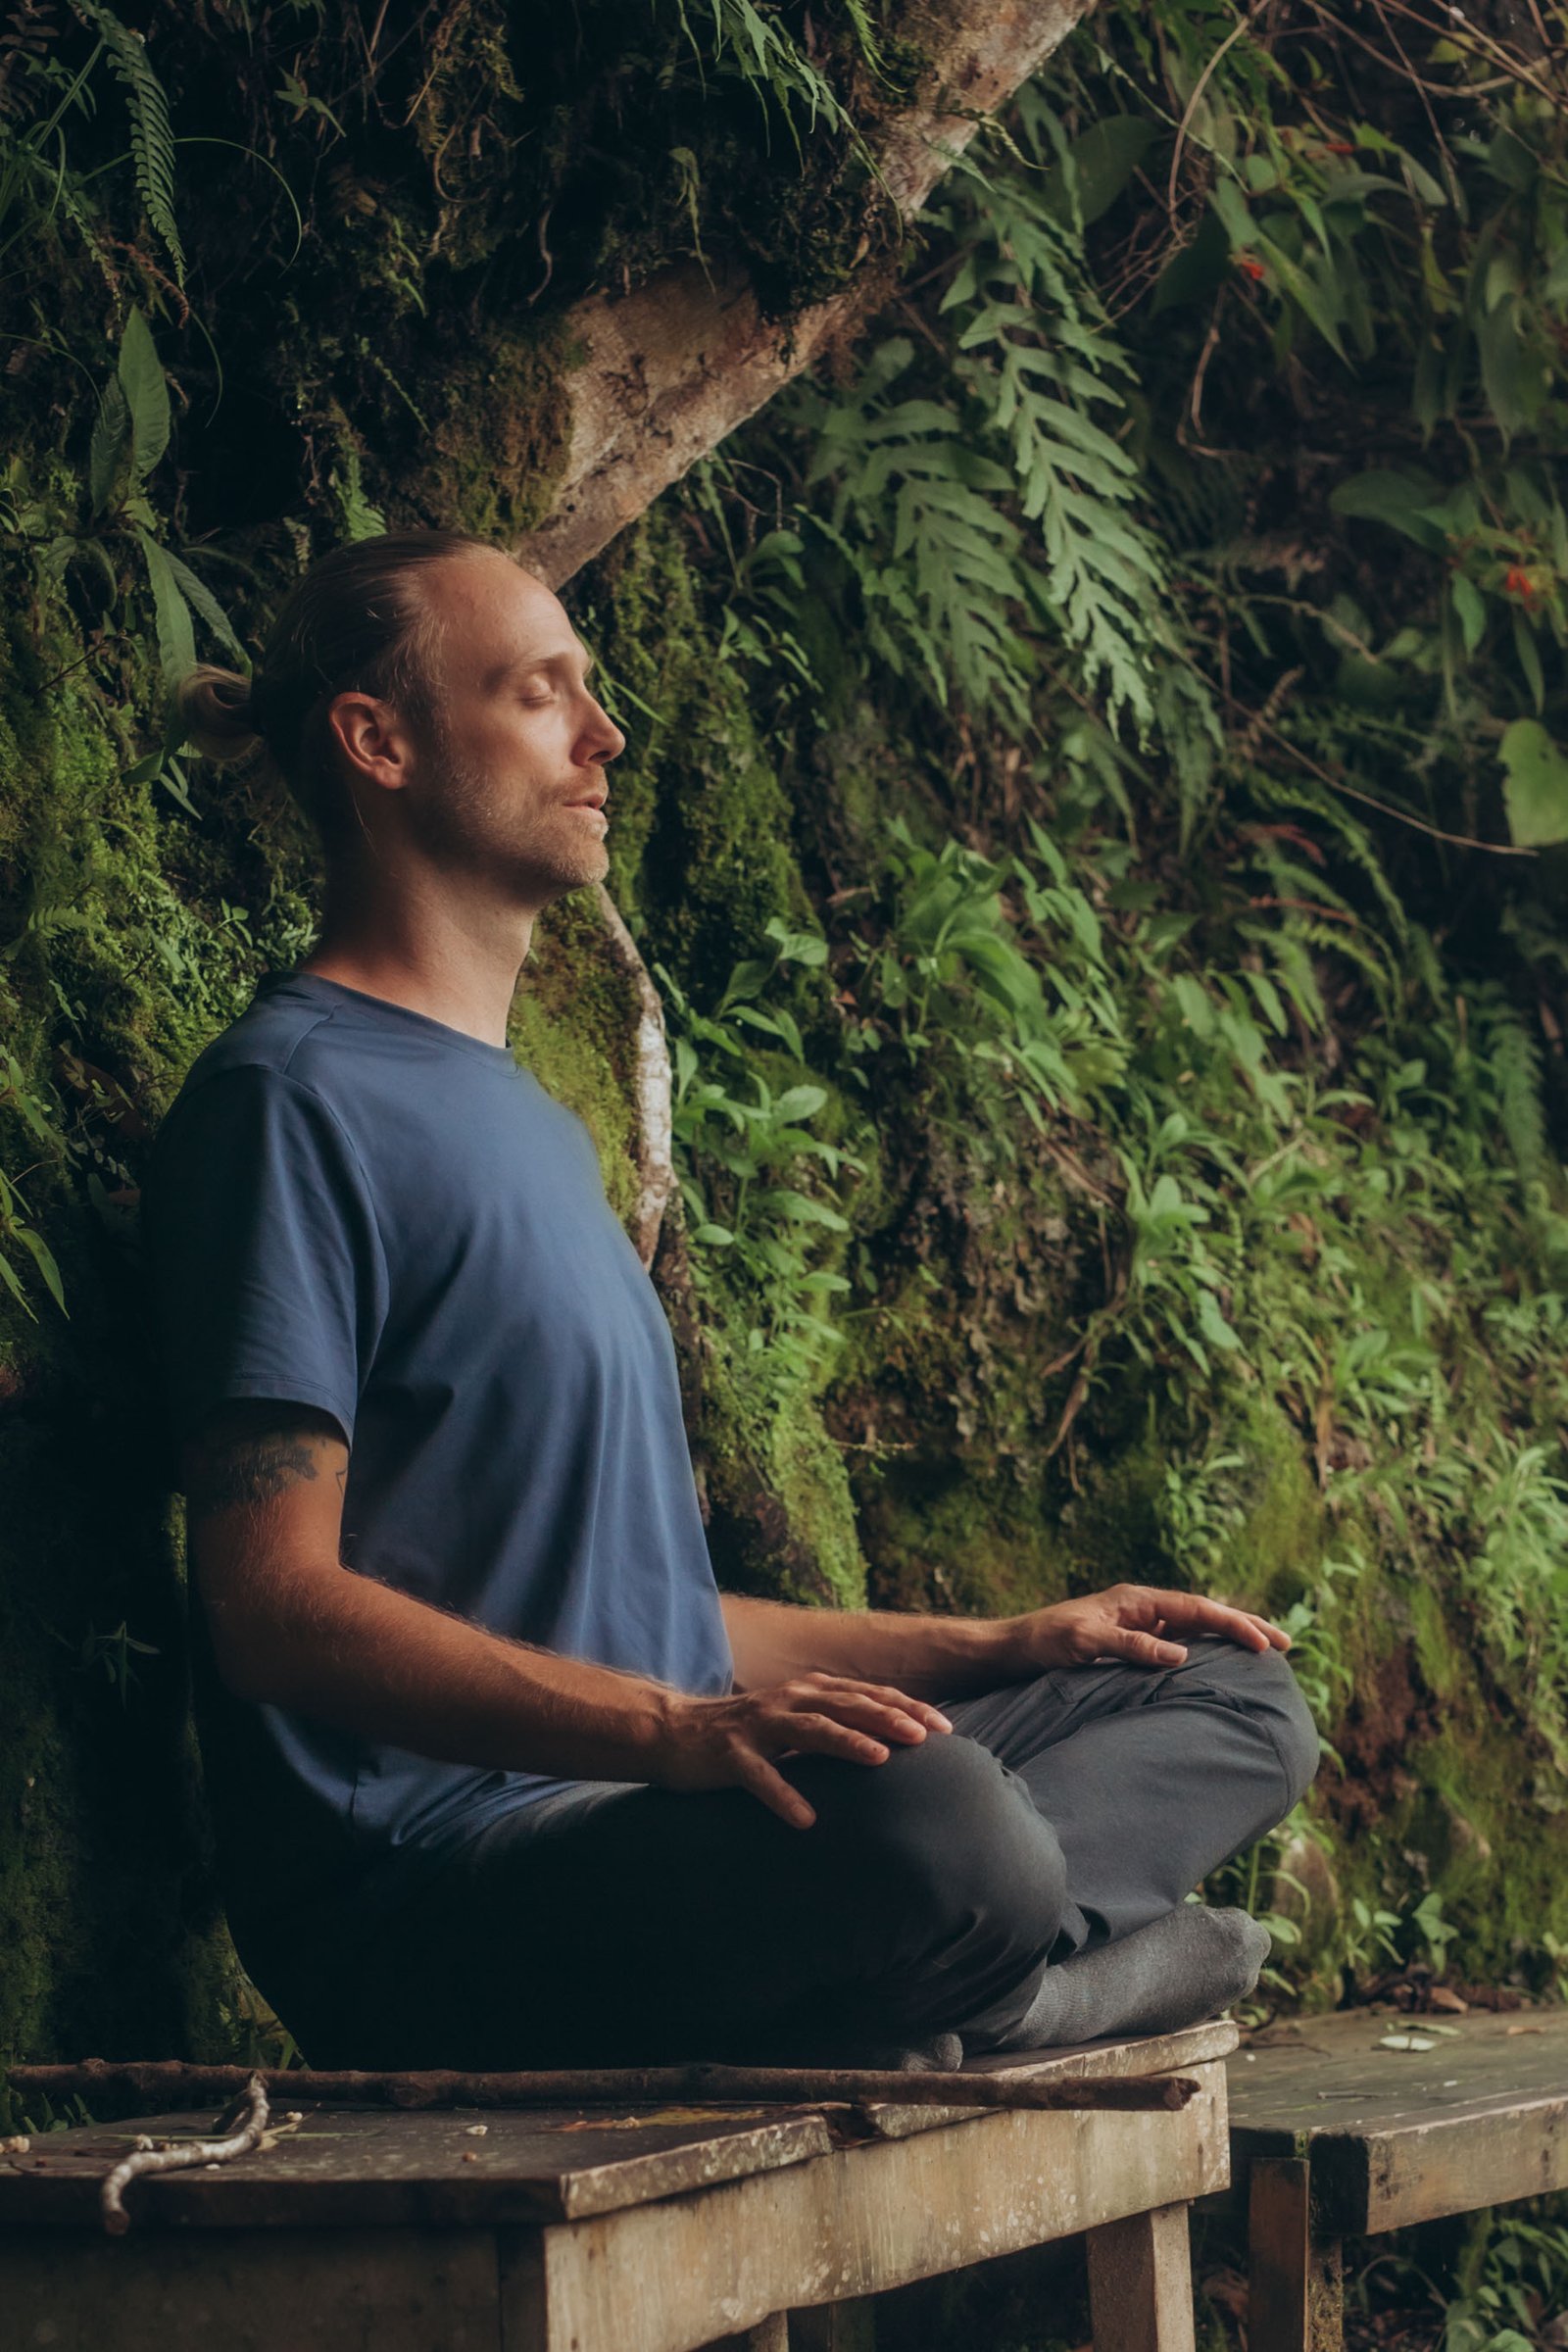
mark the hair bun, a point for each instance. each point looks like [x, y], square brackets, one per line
[218, 707]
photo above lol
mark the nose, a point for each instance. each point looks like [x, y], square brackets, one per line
[606, 736]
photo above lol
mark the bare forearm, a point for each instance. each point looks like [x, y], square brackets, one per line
[291, 1627]
[349, 1651]
[929, 1658]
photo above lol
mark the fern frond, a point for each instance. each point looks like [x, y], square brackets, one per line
[761, 52]
[1039, 357]
[1351, 836]
[151, 141]
[1513, 1058]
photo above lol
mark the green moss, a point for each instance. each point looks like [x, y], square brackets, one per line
[1275, 1553]
[781, 1515]
[1440, 1647]
[947, 1538]
[701, 841]
[574, 1025]
[498, 409]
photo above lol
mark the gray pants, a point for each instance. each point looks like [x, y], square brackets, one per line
[616, 1924]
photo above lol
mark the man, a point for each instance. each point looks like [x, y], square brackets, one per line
[500, 1778]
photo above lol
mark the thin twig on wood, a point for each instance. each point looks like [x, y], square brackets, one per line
[249, 2114]
[169, 2083]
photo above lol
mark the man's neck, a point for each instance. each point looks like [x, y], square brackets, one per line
[431, 960]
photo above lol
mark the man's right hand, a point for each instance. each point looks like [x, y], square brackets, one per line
[727, 1742]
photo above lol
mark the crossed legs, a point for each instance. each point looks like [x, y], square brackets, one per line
[627, 1924]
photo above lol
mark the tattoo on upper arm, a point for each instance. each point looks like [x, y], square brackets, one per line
[235, 1467]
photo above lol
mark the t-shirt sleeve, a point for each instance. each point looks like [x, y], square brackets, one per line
[264, 1262]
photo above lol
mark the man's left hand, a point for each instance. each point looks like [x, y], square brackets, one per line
[1135, 1622]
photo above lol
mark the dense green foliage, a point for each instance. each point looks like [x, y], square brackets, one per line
[1095, 777]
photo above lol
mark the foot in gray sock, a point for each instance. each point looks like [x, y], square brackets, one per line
[1175, 1972]
[942, 2055]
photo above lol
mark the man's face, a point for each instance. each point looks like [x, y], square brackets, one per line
[513, 786]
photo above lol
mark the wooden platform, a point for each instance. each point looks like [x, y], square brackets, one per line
[1334, 2134]
[579, 2231]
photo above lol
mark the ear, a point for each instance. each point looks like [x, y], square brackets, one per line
[371, 738]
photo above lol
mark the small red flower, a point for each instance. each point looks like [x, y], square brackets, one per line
[1252, 265]
[1517, 581]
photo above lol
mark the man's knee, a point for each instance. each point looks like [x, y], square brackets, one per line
[1261, 1684]
[954, 1842]
[1300, 1749]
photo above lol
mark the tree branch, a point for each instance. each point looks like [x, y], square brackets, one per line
[655, 1166]
[670, 371]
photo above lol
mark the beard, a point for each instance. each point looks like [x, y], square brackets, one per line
[467, 825]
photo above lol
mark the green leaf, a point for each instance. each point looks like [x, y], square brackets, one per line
[13, 1282]
[1535, 788]
[1510, 161]
[172, 779]
[146, 390]
[1102, 161]
[38, 1250]
[1513, 379]
[801, 1209]
[206, 606]
[1231, 206]
[796, 946]
[1398, 499]
[176, 639]
[1305, 291]
[1528, 655]
[1212, 1324]
[799, 1102]
[108, 451]
[1197, 1010]
[360, 518]
[1196, 269]
[1471, 608]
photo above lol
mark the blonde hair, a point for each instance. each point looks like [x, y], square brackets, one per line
[361, 619]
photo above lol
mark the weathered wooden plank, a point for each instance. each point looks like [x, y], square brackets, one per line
[1279, 2200]
[350, 2167]
[251, 2291]
[656, 2278]
[1426, 2167]
[1113, 2059]
[1140, 2282]
[1295, 2286]
[1330, 2074]
[1400, 2135]
[1114, 2054]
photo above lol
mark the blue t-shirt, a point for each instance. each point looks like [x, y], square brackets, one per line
[354, 1207]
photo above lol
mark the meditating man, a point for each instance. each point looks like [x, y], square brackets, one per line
[499, 1777]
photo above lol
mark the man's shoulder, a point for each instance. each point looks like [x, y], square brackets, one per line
[270, 1034]
[264, 1050]
[413, 1110]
